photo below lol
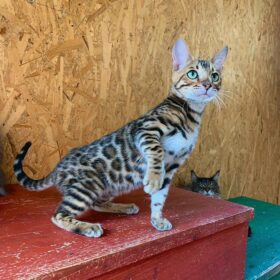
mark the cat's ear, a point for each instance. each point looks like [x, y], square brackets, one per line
[180, 55]
[219, 58]
[193, 176]
[216, 176]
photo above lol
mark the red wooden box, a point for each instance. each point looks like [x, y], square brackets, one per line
[208, 240]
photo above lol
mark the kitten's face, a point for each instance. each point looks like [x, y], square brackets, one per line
[206, 186]
[194, 79]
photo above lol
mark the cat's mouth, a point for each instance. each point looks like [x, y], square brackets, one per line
[206, 92]
[209, 92]
[204, 95]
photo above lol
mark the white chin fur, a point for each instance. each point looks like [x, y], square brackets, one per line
[198, 95]
[200, 99]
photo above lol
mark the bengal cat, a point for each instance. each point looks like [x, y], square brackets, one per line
[146, 151]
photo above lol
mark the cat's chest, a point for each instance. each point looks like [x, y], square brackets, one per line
[178, 144]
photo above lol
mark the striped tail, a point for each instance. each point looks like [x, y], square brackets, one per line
[23, 179]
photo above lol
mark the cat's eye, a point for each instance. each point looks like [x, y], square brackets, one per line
[215, 77]
[192, 74]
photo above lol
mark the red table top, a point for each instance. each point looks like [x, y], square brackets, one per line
[32, 247]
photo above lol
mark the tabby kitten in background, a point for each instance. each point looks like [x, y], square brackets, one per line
[147, 151]
[2, 188]
[2, 181]
[208, 186]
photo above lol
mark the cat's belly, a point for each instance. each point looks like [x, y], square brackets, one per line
[128, 180]
[119, 188]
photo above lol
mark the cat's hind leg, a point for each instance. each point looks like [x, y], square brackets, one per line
[68, 222]
[72, 205]
[112, 207]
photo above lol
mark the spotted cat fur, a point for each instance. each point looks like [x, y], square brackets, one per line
[147, 151]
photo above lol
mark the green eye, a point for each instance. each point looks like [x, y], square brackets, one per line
[215, 77]
[192, 74]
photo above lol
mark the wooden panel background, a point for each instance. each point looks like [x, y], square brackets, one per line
[72, 71]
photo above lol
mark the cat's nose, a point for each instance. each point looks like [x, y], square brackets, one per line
[207, 85]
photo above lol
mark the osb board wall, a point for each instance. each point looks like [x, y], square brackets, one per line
[72, 71]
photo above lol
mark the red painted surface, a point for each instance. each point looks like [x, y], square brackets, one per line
[32, 247]
[220, 256]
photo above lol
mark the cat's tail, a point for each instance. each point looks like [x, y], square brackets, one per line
[23, 179]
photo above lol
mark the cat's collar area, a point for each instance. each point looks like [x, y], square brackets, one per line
[196, 106]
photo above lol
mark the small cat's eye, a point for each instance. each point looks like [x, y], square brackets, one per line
[215, 77]
[192, 74]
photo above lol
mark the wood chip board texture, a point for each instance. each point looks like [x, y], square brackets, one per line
[72, 71]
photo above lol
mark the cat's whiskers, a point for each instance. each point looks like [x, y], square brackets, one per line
[221, 100]
[227, 94]
[217, 103]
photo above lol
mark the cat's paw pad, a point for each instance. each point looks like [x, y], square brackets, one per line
[161, 224]
[132, 209]
[94, 230]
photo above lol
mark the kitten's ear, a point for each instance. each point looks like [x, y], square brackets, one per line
[219, 58]
[193, 176]
[216, 176]
[180, 55]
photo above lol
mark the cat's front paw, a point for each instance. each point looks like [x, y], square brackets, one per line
[161, 224]
[153, 182]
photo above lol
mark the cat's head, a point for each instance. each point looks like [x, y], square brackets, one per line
[208, 186]
[193, 79]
